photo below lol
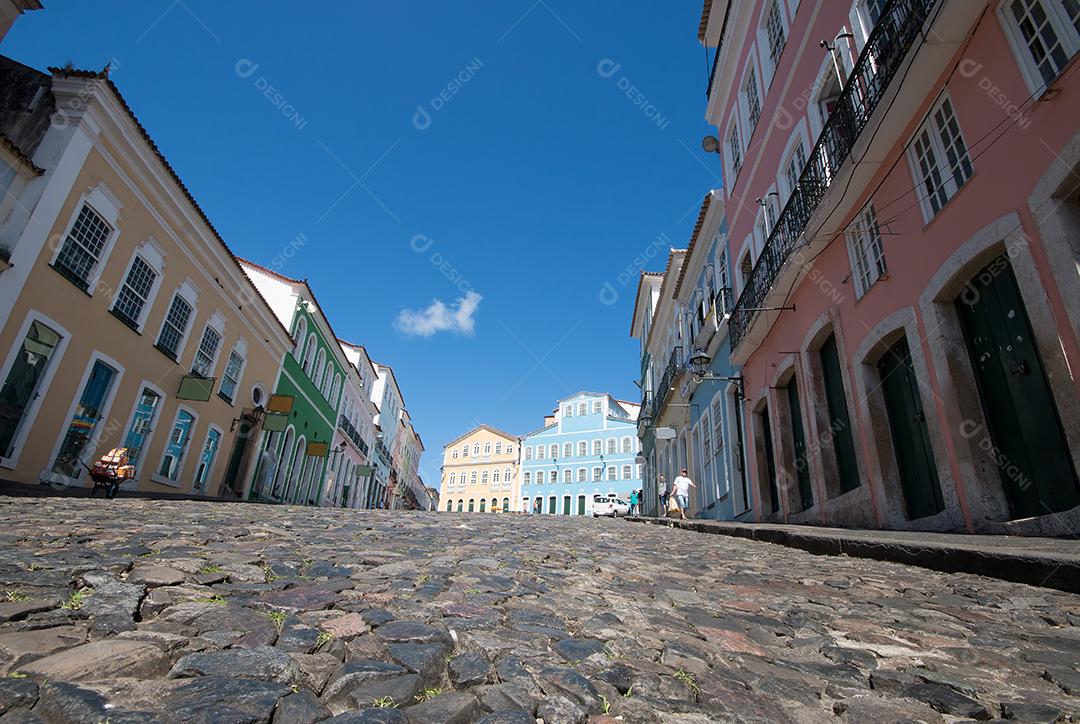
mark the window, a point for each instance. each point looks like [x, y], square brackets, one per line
[583, 408]
[298, 337]
[526, 479]
[753, 100]
[568, 476]
[231, 377]
[611, 445]
[206, 459]
[940, 158]
[626, 445]
[142, 424]
[528, 453]
[471, 504]
[135, 293]
[509, 449]
[173, 458]
[582, 449]
[627, 475]
[568, 411]
[706, 437]
[495, 476]
[611, 472]
[865, 250]
[582, 475]
[453, 478]
[309, 354]
[449, 506]
[487, 448]
[554, 451]
[553, 477]
[541, 452]
[459, 504]
[484, 478]
[597, 447]
[774, 29]
[464, 451]
[175, 326]
[454, 455]
[795, 165]
[82, 249]
[568, 450]
[317, 370]
[734, 150]
[506, 505]
[597, 474]
[506, 476]
[718, 424]
[498, 448]
[597, 407]
[1048, 33]
[207, 352]
[539, 477]
[472, 477]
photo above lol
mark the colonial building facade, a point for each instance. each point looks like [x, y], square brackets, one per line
[479, 472]
[587, 447]
[902, 212]
[128, 322]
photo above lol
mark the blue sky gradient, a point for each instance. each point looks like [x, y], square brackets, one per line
[557, 146]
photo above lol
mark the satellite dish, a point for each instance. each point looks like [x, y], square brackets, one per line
[711, 144]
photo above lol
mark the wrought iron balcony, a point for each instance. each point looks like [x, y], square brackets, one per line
[896, 31]
[675, 363]
[723, 303]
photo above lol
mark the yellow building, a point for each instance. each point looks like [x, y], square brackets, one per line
[127, 320]
[480, 472]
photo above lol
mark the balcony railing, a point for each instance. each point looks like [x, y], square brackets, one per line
[674, 364]
[723, 303]
[896, 30]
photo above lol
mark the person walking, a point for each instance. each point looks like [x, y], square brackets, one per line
[633, 503]
[682, 485]
[662, 486]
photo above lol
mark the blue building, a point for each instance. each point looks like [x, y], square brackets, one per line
[693, 409]
[588, 446]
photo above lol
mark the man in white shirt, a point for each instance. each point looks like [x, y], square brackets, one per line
[682, 485]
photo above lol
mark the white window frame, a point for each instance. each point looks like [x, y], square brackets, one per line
[211, 427]
[190, 294]
[300, 338]
[765, 46]
[749, 123]
[216, 322]
[106, 205]
[106, 405]
[1068, 37]
[860, 236]
[153, 255]
[733, 166]
[41, 392]
[940, 157]
[799, 134]
[156, 476]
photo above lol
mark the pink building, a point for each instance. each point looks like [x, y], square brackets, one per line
[902, 196]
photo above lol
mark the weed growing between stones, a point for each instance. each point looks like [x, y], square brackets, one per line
[629, 692]
[386, 702]
[15, 596]
[211, 568]
[75, 600]
[688, 679]
[16, 675]
[324, 637]
[269, 575]
[605, 707]
[278, 617]
[429, 693]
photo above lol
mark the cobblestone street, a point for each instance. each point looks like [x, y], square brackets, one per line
[134, 610]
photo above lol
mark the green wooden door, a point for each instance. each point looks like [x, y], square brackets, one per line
[911, 439]
[581, 505]
[1029, 447]
[770, 464]
[839, 421]
[566, 505]
[798, 439]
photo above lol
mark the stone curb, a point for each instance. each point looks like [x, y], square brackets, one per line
[1045, 570]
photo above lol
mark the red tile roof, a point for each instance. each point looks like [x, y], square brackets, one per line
[693, 240]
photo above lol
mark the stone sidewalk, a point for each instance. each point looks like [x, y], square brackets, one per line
[167, 611]
[1044, 562]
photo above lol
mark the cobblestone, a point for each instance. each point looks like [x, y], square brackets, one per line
[130, 610]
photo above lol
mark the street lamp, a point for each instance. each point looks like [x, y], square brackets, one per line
[699, 368]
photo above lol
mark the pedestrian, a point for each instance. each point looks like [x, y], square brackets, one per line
[682, 485]
[661, 485]
[633, 502]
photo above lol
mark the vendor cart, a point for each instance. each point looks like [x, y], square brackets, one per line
[110, 471]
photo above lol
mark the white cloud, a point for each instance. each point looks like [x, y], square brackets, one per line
[437, 317]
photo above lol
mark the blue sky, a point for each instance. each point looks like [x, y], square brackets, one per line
[519, 156]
